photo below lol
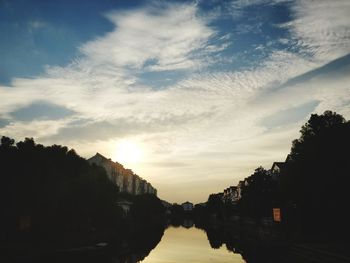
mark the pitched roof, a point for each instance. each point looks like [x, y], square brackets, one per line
[280, 165]
[99, 155]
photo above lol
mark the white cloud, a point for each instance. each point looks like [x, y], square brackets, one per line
[167, 35]
[105, 76]
[322, 28]
[36, 129]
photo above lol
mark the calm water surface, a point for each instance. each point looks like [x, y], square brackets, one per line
[189, 245]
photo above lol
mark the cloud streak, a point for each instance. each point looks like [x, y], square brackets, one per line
[167, 37]
[321, 28]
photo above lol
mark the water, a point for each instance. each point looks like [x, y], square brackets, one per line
[189, 245]
[185, 243]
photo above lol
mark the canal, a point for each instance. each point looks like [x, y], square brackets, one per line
[171, 244]
[182, 244]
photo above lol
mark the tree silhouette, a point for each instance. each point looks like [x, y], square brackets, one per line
[215, 205]
[317, 174]
[50, 193]
[257, 194]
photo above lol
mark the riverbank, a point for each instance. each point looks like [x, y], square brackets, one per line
[136, 232]
[261, 242]
[136, 241]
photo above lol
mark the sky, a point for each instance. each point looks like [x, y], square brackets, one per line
[191, 95]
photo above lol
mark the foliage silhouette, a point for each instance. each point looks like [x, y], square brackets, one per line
[257, 194]
[50, 194]
[316, 177]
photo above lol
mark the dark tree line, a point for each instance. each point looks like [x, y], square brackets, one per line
[52, 194]
[258, 195]
[312, 189]
[49, 195]
[317, 176]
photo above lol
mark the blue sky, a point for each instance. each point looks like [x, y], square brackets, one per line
[202, 91]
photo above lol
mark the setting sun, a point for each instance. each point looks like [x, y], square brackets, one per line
[128, 152]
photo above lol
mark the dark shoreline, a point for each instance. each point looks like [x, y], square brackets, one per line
[255, 242]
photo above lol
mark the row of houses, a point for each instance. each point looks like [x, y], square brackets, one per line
[233, 194]
[125, 179]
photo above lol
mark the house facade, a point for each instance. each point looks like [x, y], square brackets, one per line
[276, 169]
[230, 195]
[123, 178]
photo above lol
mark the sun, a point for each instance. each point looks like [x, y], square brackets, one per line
[128, 152]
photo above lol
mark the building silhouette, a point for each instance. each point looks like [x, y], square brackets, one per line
[126, 180]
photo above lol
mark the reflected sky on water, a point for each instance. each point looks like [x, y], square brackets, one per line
[189, 245]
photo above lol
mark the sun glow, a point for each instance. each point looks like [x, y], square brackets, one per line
[128, 152]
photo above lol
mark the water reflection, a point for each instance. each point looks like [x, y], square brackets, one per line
[254, 245]
[176, 244]
[189, 245]
[137, 246]
[132, 248]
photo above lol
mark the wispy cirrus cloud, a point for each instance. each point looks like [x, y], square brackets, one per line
[321, 28]
[106, 75]
[159, 37]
